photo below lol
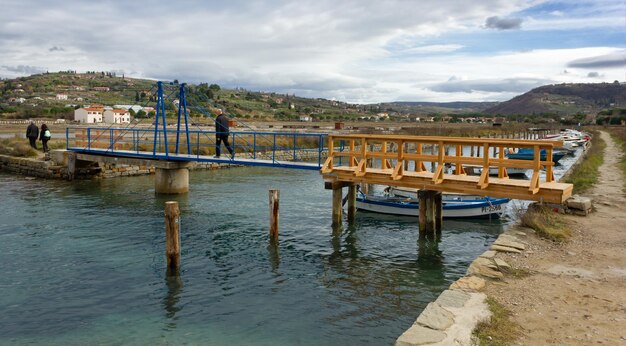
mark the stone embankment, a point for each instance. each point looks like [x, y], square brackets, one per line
[56, 167]
[451, 319]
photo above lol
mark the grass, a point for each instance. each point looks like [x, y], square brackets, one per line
[585, 175]
[18, 147]
[499, 330]
[546, 223]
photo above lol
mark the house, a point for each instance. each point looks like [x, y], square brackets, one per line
[117, 116]
[306, 118]
[89, 115]
[62, 97]
[101, 88]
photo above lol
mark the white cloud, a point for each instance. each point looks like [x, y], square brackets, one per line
[356, 51]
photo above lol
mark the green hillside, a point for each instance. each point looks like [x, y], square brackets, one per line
[36, 97]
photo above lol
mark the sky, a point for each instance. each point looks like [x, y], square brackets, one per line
[356, 51]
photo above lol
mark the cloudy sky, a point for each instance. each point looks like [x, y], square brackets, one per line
[358, 51]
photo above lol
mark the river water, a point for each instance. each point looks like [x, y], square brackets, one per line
[83, 263]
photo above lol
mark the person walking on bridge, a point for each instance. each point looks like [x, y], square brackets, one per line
[32, 132]
[221, 133]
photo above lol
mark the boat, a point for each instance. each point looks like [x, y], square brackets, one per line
[493, 171]
[485, 207]
[529, 154]
[411, 193]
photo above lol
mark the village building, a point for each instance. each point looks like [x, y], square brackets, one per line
[89, 115]
[117, 116]
[62, 97]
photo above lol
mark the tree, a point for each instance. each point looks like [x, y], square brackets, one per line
[136, 96]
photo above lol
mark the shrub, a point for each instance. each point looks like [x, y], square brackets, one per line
[546, 223]
[16, 147]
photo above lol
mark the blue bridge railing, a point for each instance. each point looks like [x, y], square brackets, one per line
[278, 149]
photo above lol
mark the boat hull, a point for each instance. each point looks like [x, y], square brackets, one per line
[485, 208]
[530, 155]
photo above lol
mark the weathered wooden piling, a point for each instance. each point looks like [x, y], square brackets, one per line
[352, 203]
[172, 237]
[430, 213]
[274, 206]
[337, 208]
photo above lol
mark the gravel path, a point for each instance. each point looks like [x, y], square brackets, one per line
[576, 293]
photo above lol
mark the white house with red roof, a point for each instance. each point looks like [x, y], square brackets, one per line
[89, 115]
[117, 116]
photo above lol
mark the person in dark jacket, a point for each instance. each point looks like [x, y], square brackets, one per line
[221, 133]
[44, 137]
[32, 132]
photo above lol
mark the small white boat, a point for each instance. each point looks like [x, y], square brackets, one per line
[486, 207]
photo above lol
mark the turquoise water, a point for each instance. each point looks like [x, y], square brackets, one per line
[83, 263]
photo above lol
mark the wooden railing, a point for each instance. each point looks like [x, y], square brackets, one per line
[360, 153]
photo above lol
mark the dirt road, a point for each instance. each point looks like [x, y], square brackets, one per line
[576, 293]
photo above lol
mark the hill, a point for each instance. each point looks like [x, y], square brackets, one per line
[427, 108]
[564, 99]
[56, 95]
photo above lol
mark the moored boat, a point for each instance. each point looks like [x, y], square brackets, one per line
[529, 154]
[493, 171]
[486, 207]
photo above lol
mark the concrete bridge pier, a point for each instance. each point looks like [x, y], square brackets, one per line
[171, 177]
[171, 180]
[431, 214]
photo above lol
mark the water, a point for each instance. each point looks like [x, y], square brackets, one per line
[83, 263]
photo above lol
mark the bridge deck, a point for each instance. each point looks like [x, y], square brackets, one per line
[224, 159]
[551, 192]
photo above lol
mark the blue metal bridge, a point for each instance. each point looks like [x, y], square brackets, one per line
[177, 139]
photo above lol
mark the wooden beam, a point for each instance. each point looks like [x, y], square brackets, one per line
[398, 171]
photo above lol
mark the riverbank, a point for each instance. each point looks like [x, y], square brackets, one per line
[574, 291]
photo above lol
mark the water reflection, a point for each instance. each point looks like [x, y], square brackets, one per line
[170, 302]
[273, 255]
[428, 252]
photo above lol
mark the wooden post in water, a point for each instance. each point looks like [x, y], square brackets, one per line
[172, 238]
[337, 212]
[430, 213]
[351, 202]
[274, 204]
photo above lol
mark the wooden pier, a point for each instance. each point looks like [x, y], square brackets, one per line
[386, 159]
[401, 161]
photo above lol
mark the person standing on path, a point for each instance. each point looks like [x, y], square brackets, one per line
[221, 133]
[45, 137]
[32, 132]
